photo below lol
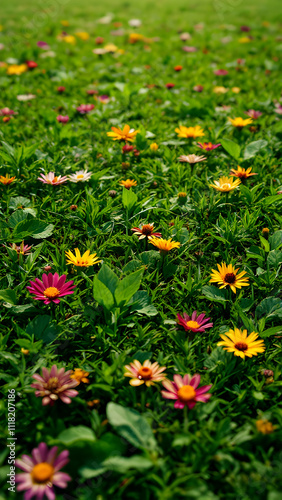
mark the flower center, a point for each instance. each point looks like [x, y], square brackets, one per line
[145, 373]
[52, 383]
[51, 292]
[225, 186]
[80, 176]
[54, 180]
[186, 393]
[241, 346]
[147, 229]
[192, 324]
[230, 278]
[42, 473]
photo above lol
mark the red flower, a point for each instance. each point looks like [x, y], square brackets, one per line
[178, 68]
[127, 149]
[208, 146]
[61, 89]
[31, 64]
[99, 40]
[6, 112]
[85, 108]
[92, 92]
[51, 288]
[170, 85]
[62, 119]
[221, 72]
[198, 88]
[194, 323]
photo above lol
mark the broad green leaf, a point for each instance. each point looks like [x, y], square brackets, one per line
[231, 147]
[108, 277]
[129, 198]
[18, 216]
[253, 148]
[264, 243]
[32, 227]
[132, 426]
[78, 433]
[269, 307]
[213, 293]
[19, 202]
[141, 304]
[9, 296]
[128, 287]
[123, 464]
[274, 258]
[275, 240]
[102, 294]
[271, 331]
[42, 328]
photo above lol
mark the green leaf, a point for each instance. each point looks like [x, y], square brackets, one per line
[128, 287]
[108, 277]
[9, 296]
[18, 216]
[78, 433]
[132, 426]
[19, 202]
[264, 243]
[42, 328]
[215, 294]
[35, 228]
[253, 148]
[271, 331]
[274, 258]
[129, 198]
[269, 307]
[123, 464]
[102, 294]
[231, 147]
[141, 304]
[275, 240]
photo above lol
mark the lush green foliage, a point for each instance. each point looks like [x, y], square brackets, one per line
[132, 443]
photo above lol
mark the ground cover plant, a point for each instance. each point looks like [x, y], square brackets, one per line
[141, 247]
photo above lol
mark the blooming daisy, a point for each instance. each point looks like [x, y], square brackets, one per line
[6, 112]
[240, 344]
[84, 260]
[53, 179]
[21, 249]
[253, 114]
[154, 146]
[53, 385]
[191, 158]
[51, 288]
[62, 118]
[85, 108]
[226, 184]
[42, 472]
[80, 176]
[208, 146]
[190, 132]
[227, 276]
[145, 231]
[242, 173]
[164, 246]
[240, 122]
[127, 134]
[147, 374]
[80, 375]
[7, 179]
[185, 391]
[264, 426]
[128, 183]
[194, 323]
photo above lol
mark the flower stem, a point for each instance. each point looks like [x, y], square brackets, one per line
[185, 418]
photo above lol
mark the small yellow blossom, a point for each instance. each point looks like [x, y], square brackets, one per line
[244, 39]
[110, 47]
[17, 69]
[264, 426]
[128, 183]
[80, 375]
[69, 39]
[190, 132]
[236, 90]
[154, 146]
[83, 35]
[225, 184]
[239, 122]
[163, 245]
[84, 260]
[220, 90]
[135, 37]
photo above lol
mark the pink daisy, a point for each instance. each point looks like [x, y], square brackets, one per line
[221, 72]
[51, 288]
[184, 391]
[253, 114]
[41, 472]
[208, 146]
[85, 108]
[53, 179]
[62, 118]
[54, 385]
[194, 323]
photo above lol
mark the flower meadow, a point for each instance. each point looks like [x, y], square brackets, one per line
[141, 249]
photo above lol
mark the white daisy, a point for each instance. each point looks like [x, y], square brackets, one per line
[80, 176]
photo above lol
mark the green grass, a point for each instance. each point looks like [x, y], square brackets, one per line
[216, 452]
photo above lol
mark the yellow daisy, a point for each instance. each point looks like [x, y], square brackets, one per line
[164, 245]
[241, 344]
[240, 122]
[6, 179]
[127, 134]
[80, 375]
[265, 427]
[225, 184]
[227, 276]
[190, 132]
[84, 260]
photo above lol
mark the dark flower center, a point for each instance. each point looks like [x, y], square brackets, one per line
[230, 278]
[147, 229]
[241, 346]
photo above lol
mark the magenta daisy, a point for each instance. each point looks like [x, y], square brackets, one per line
[194, 323]
[185, 391]
[53, 179]
[85, 108]
[51, 288]
[54, 385]
[42, 472]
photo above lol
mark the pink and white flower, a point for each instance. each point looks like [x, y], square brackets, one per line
[51, 288]
[80, 176]
[194, 323]
[147, 374]
[185, 391]
[42, 472]
[53, 179]
[191, 158]
[253, 114]
[85, 108]
[63, 119]
[54, 385]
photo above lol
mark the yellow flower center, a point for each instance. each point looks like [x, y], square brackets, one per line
[230, 278]
[52, 383]
[42, 473]
[225, 186]
[186, 393]
[192, 324]
[145, 373]
[80, 176]
[241, 346]
[51, 292]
